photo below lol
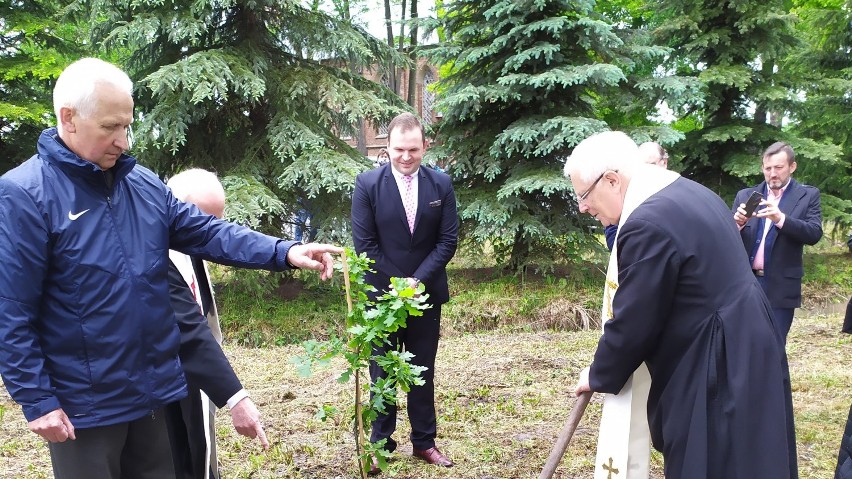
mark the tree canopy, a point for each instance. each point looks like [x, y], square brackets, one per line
[258, 89]
[522, 83]
[36, 43]
[264, 91]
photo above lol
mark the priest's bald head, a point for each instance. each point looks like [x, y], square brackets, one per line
[600, 169]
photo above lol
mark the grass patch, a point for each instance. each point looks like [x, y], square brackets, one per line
[285, 310]
[261, 309]
[509, 356]
[502, 399]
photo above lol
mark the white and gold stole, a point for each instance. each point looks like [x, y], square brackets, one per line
[624, 439]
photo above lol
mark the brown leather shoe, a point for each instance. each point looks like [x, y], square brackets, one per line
[433, 456]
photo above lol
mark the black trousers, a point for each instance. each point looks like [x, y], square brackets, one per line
[137, 449]
[844, 457]
[782, 318]
[420, 338]
[185, 421]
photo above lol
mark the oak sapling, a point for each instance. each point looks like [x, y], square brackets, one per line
[368, 325]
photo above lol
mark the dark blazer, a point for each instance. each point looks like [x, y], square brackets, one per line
[204, 363]
[380, 229]
[206, 368]
[783, 250]
[844, 457]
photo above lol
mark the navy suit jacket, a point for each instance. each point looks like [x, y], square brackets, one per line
[380, 229]
[782, 255]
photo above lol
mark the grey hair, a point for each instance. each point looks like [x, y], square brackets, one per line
[608, 150]
[189, 183]
[76, 86]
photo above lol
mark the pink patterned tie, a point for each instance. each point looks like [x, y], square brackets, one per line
[408, 202]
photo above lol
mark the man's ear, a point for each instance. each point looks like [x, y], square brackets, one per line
[66, 119]
[612, 178]
[793, 167]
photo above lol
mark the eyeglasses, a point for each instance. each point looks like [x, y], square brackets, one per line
[581, 198]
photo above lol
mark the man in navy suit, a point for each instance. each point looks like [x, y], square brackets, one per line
[789, 217]
[404, 218]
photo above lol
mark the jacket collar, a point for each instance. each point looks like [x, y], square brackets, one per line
[52, 149]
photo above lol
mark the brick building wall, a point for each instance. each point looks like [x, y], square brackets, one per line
[424, 100]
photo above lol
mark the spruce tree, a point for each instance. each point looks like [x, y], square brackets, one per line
[522, 83]
[734, 49]
[260, 89]
[823, 108]
[36, 43]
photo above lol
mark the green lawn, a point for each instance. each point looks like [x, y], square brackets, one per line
[507, 362]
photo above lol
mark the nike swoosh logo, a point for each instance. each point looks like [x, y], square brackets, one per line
[72, 216]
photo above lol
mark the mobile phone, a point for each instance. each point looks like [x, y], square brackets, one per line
[752, 203]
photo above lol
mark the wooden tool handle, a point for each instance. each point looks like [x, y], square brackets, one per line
[565, 436]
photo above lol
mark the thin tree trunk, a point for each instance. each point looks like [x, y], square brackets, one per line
[412, 72]
[761, 112]
[402, 26]
[392, 83]
[361, 134]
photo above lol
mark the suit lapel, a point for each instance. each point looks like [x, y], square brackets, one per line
[791, 197]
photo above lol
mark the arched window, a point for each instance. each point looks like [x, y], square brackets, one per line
[428, 96]
[382, 130]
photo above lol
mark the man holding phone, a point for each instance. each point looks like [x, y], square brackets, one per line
[775, 229]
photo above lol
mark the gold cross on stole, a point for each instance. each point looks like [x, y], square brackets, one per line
[609, 468]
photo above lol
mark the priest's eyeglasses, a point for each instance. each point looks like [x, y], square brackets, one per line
[581, 198]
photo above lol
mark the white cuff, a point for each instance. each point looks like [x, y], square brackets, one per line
[239, 396]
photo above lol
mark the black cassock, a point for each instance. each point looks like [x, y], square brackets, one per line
[689, 305]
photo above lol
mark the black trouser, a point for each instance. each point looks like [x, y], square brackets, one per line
[420, 338]
[185, 420]
[782, 318]
[844, 457]
[137, 449]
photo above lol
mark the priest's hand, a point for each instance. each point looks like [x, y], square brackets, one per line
[246, 419]
[583, 383]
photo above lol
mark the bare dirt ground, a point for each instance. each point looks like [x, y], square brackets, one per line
[502, 399]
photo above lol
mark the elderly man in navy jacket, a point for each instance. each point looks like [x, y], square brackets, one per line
[88, 339]
[789, 217]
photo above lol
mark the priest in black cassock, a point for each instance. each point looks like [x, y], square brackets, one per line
[844, 457]
[685, 302]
